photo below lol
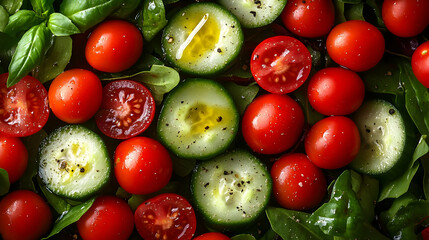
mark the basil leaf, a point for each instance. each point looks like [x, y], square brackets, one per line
[170, 1]
[311, 115]
[4, 182]
[88, 13]
[142, 65]
[183, 167]
[375, 5]
[4, 18]
[43, 7]
[243, 237]
[29, 52]
[55, 60]
[21, 21]
[355, 12]
[269, 235]
[242, 95]
[126, 10]
[59, 204]
[7, 48]
[61, 25]
[69, 217]
[152, 18]
[159, 79]
[11, 6]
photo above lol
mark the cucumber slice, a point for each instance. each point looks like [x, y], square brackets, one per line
[73, 162]
[386, 141]
[202, 39]
[198, 119]
[252, 13]
[231, 191]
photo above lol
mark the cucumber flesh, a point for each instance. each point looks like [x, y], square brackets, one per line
[73, 162]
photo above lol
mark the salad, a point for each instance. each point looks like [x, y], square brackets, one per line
[240, 120]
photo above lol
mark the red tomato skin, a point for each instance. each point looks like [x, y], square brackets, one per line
[13, 157]
[142, 165]
[114, 46]
[280, 64]
[336, 91]
[420, 63]
[212, 236]
[355, 44]
[310, 19]
[425, 233]
[24, 215]
[24, 107]
[297, 183]
[332, 142]
[170, 214]
[108, 218]
[75, 95]
[405, 18]
[272, 123]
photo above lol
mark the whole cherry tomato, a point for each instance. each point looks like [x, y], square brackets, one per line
[13, 157]
[420, 63]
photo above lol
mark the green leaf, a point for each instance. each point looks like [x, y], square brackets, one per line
[61, 25]
[55, 60]
[183, 167]
[152, 18]
[43, 7]
[127, 8]
[88, 13]
[243, 237]
[11, 6]
[4, 182]
[159, 79]
[375, 5]
[7, 48]
[339, 11]
[269, 235]
[242, 95]
[21, 21]
[143, 65]
[4, 18]
[399, 186]
[59, 204]
[311, 115]
[355, 12]
[367, 194]
[69, 217]
[290, 224]
[29, 52]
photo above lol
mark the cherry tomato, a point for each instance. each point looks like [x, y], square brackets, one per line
[355, 44]
[312, 18]
[272, 123]
[166, 216]
[24, 215]
[280, 64]
[127, 110]
[332, 142]
[212, 236]
[108, 218]
[24, 107]
[405, 18]
[336, 91]
[425, 233]
[75, 95]
[114, 46]
[297, 183]
[420, 63]
[142, 165]
[13, 157]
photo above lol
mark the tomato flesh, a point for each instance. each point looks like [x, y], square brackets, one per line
[127, 110]
[280, 64]
[166, 216]
[24, 107]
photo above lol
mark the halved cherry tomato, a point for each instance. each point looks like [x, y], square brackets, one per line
[13, 157]
[108, 218]
[166, 216]
[420, 63]
[280, 64]
[212, 236]
[24, 107]
[127, 110]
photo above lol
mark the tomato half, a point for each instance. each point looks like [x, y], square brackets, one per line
[272, 123]
[75, 95]
[128, 109]
[280, 64]
[24, 215]
[13, 157]
[297, 183]
[108, 218]
[332, 142]
[114, 46]
[355, 44]
[336, 91]
[405, 18]
[309, 18]
[420, 63]
[142, 165]
[166, 216]
[212, 236]
[24, 107]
